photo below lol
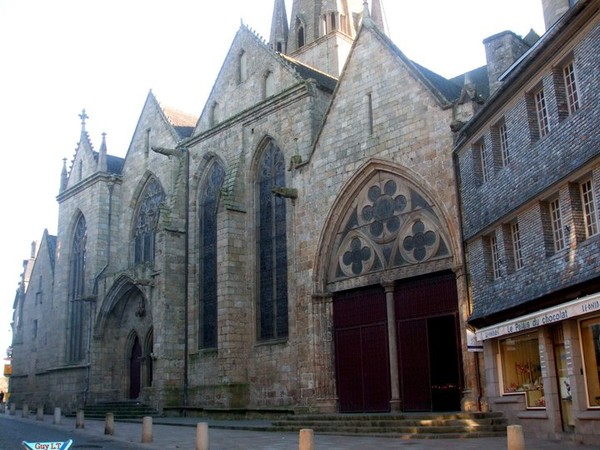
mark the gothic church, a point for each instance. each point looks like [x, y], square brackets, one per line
[296, 246]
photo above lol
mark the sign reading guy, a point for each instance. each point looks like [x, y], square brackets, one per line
[48, 445]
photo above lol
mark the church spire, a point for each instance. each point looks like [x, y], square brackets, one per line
[63, 176]
[378, 15]
[279, 27]
[102, 166]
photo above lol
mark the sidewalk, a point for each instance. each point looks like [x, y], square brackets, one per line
[180, 433]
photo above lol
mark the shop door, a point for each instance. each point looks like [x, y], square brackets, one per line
[361, 351]
[562, 375]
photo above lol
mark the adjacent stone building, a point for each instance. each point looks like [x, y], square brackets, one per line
[529, 168]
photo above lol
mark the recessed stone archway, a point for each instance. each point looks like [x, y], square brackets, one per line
[124, 333]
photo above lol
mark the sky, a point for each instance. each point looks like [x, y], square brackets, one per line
[59, 57]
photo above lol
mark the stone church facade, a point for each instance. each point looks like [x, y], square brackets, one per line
[297, 246]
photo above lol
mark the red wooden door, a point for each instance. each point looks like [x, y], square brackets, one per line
[361, 351]
[415, 384]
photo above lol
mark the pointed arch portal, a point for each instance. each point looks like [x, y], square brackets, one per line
[124, 330]
[395, 302]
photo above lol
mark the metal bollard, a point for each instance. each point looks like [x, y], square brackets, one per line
[39, 414]
[109, 424]
[80, 419]
[202, 436]
[147, 430]
[307, 439]
[516, 440]
[57, 415]
[25, 412]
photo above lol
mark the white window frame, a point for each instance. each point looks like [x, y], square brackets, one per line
[515, 235]
[572, 92]
[541, 112]
[558, 236]
[589, 210]
[495, 256]
[503, 141]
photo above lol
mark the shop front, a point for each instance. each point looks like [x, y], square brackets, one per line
[543, 369]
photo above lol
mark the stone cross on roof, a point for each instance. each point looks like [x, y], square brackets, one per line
[83, 116]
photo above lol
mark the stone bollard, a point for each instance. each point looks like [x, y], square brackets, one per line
[516, 440]
[109, 424]
[80, 419]
[40, 414]
[25, 412]
[13, 409]
[147, 430]
[307, 439]
[202, 436]
[57, 415]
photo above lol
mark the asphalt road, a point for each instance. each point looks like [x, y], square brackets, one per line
[13, 433]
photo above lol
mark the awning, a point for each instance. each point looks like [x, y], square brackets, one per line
[543, 317]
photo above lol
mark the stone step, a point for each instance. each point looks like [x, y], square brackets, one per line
[404, 425]
[121, 410]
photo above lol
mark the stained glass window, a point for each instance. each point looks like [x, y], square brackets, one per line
[208, 257]
[272, 247]
[147, 222]
[76, 291]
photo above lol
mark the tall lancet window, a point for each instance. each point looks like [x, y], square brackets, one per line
[76, 291]
[147, 222]
[209, 203]
[272, 247]
[300, 33]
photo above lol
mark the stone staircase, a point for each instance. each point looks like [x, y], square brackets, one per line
[121, 410]
[403, 425]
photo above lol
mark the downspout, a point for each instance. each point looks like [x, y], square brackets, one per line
[186, 278]
[464, 266]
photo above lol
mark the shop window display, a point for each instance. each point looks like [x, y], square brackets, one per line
[521, 369]
[590, 342]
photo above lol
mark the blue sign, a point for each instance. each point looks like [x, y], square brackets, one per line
[48, 445]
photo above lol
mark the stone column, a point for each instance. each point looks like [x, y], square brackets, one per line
[392, 346]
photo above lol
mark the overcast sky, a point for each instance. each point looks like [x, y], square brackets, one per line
[58, 57]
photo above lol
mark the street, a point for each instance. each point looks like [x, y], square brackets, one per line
[14, 432]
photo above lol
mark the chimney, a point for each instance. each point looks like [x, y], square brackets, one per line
[501, 51]
[554, 9]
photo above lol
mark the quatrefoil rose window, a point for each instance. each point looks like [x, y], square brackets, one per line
[389, 225]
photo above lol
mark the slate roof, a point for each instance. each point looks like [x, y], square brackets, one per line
[448, 88]
[114, 164]
[324, 81]
[479, 77]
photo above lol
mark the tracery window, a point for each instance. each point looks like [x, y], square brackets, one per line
[208, 257]
[76, 291]
[272, 247]
[147, 222]
[389, 225]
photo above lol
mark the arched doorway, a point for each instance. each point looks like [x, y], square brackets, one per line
[124, 332]
[135, 369]
[388, 263]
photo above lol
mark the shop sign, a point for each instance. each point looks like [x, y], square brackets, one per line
[558, 313]
[7, 370]
[473, 344]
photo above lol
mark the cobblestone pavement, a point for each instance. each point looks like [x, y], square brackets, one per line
[180, 433]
